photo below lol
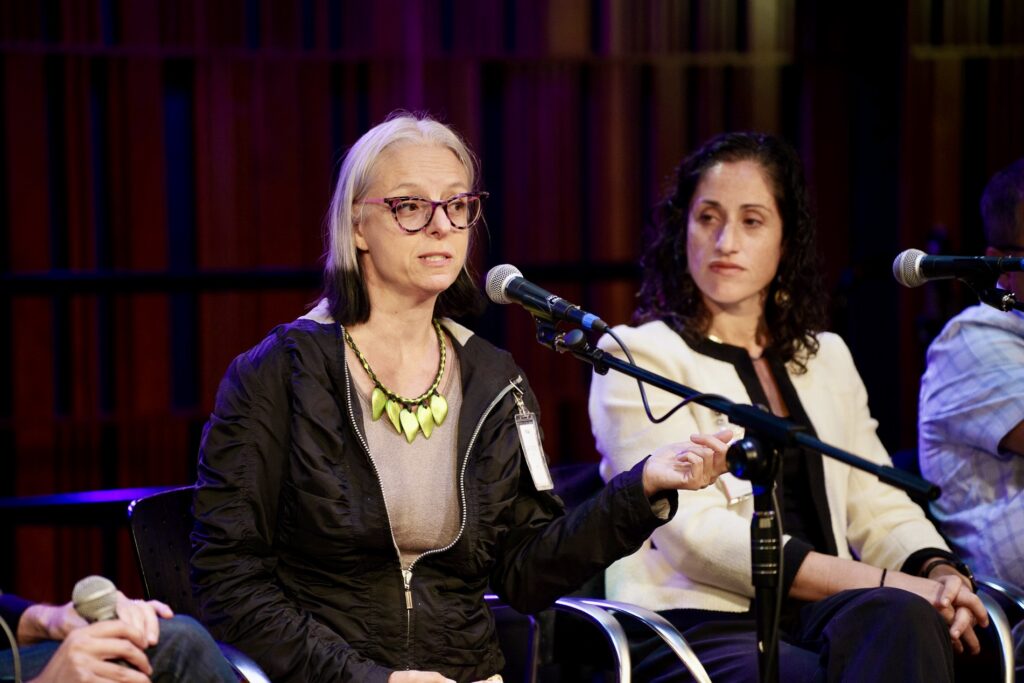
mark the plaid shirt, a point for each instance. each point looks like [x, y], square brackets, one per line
[972, 395]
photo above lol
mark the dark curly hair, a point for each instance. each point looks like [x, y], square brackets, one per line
[669, 292]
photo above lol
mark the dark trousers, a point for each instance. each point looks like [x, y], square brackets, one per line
[875, 634]
[186, 652]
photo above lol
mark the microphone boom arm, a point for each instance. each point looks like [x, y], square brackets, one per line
[776, 429]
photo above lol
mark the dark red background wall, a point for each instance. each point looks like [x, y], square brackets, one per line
[165, 166]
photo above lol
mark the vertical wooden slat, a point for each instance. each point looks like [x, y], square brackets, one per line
[35, 552]
[946, 136]
[25, 141]
[32, 381]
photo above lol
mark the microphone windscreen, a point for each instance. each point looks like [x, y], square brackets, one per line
[905, 268]
[497, 280]
[95, 598]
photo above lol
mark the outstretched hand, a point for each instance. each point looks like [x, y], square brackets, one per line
[690, 465]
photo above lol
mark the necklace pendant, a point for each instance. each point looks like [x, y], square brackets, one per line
[377, 401]
[410, 425]
[426, 420]
[438, 409]
[394, 410]
[407, 415]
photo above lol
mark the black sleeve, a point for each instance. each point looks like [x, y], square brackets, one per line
[11, 609]
[548, 553]
[241, 465]
[915, 563]
[793, 555]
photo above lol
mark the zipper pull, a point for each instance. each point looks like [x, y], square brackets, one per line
[407, 578]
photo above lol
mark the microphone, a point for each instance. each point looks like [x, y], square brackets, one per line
[506, 285]
[913, 267]
[95, 599]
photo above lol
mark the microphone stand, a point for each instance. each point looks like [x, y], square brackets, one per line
[756, 458]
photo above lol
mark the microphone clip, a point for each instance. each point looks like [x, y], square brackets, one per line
[573, 341]
[548, 334]
[1002, 299]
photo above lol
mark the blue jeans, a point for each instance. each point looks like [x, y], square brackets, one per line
[186, 652]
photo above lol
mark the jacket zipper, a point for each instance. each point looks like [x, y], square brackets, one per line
[407, 573]
[513, 384]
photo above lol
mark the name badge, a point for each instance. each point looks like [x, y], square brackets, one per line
[533, 449]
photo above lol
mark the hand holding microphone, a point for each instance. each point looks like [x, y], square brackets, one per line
[105, 634]
[96, 598]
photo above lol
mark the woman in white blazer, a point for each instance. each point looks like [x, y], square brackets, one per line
[732, 304]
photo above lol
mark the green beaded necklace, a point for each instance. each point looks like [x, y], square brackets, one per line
[407, 415]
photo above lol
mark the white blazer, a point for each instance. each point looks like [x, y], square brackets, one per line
[701, 558]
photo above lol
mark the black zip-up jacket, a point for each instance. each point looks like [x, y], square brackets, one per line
[293, 557]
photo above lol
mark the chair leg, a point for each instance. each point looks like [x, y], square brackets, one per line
[999, 621]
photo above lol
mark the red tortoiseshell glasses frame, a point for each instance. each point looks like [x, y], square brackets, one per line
[415, 213]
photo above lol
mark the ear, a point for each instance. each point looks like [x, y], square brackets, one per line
[360, 241]
[357, 230]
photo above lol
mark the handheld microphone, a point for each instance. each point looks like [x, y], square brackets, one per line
[95, 599]
[913, 267]
[506, 285]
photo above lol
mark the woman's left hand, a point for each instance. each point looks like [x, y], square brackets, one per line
[690, 466]
[950, 594]
[965, 607]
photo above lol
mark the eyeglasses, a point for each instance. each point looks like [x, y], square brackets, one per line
[415, 213]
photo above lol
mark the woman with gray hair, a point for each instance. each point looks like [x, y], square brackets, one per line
[361, 482]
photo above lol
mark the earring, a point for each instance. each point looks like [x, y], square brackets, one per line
[781, 296]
